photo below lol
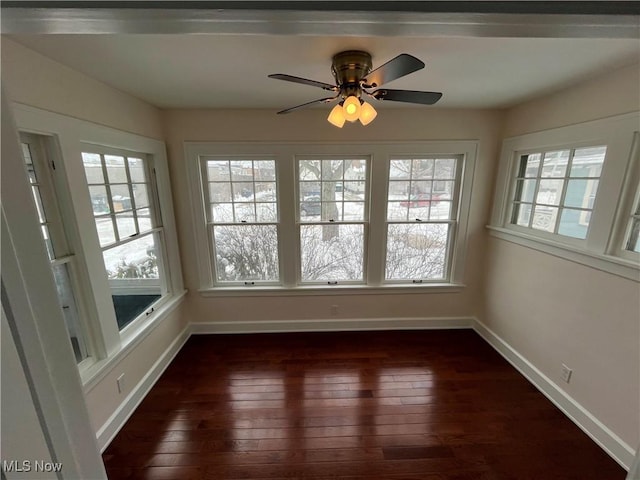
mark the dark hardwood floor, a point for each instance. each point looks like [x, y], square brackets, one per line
[431, 405]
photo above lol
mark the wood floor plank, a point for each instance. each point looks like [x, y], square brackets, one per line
[427, 405]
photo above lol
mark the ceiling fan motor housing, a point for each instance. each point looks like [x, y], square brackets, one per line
[349, 68]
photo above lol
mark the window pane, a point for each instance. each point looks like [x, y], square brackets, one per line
[38, 201]
[145, 223]
[525, 190]
[311, 209]
[70, 311]
[265, 192]
[140, 195]
[309, 170]
[530, 165]
[353, 211]
[241, 170]
[422, 168]
[443, 190]
[400, 169]
[222, 212]
[587, 162]
[120, 196]
[47, 241]
[126, 225]
[218, 171]
[106, 234]
[523, 214]
[93, 167]
[136, 170]
[440, 210]
[574, 223]
[550, 192]
[544, 218]
[445, 168]
[219, 192]
[309, 189]
[242, 192]
[264, 170]
[397, 210]
[555, 163]
[416, 251]
[246, 252]
[399, 190]
[332, 169]
[354, 190]
[267, 212]
[244, 212]
[133, 260]
[332, 252]
[116, 170]
[581, 193]
[99, 201]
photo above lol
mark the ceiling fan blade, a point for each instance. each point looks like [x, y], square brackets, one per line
[305, 81]
[397, 67]
[320, 100]
[409, 96]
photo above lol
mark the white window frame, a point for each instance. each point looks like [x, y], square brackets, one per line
[452, 221]
[364, 222]
[601, 248]
[70, 136]
[211, 224]
[285, 155]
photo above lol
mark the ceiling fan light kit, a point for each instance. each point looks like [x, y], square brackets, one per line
[354, 78]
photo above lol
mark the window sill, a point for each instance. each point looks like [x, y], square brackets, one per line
[94, 373]
[278, 291]
[606, 263]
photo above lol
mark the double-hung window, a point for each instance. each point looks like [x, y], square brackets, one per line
[242, 219]
[555, 190]
[61, 257]
[573, 192]
[422, 206]
[332, 214]
[129, 229]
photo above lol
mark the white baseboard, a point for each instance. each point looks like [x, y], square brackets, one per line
[332, 325]
[620, 451]
[112, 426]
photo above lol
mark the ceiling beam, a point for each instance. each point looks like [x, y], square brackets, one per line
[420, 19]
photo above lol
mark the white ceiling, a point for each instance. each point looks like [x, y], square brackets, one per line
[230, 70]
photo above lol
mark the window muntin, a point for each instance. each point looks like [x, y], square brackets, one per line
[242, 217]
[555, 190]
[422, 204]
[130, 234]
[332, 219]
[61, 259]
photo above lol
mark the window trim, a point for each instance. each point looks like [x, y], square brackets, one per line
[285, 153]
[601, 248]
[68, 136]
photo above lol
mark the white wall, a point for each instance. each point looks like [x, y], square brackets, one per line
[554, 311]
[32, 79]
[311, 125]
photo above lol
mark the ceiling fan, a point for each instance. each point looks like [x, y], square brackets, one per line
[355, 80]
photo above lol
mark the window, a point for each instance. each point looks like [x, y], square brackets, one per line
[572, 192]
[333, 208]
[299, 219]
[422, 206]
[242, 218]
[129, 231]
[63, 261]
[555, 191]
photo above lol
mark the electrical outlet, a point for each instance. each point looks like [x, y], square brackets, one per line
[334, 310]
[566, 373]
[120, 382]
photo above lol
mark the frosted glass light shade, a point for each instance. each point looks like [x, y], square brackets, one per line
[351, 108]
[367, 113]
[336, 117]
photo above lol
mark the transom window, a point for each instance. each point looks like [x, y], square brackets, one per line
[242, 217]
[332, 208]
[422, 205]
[555, 190]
